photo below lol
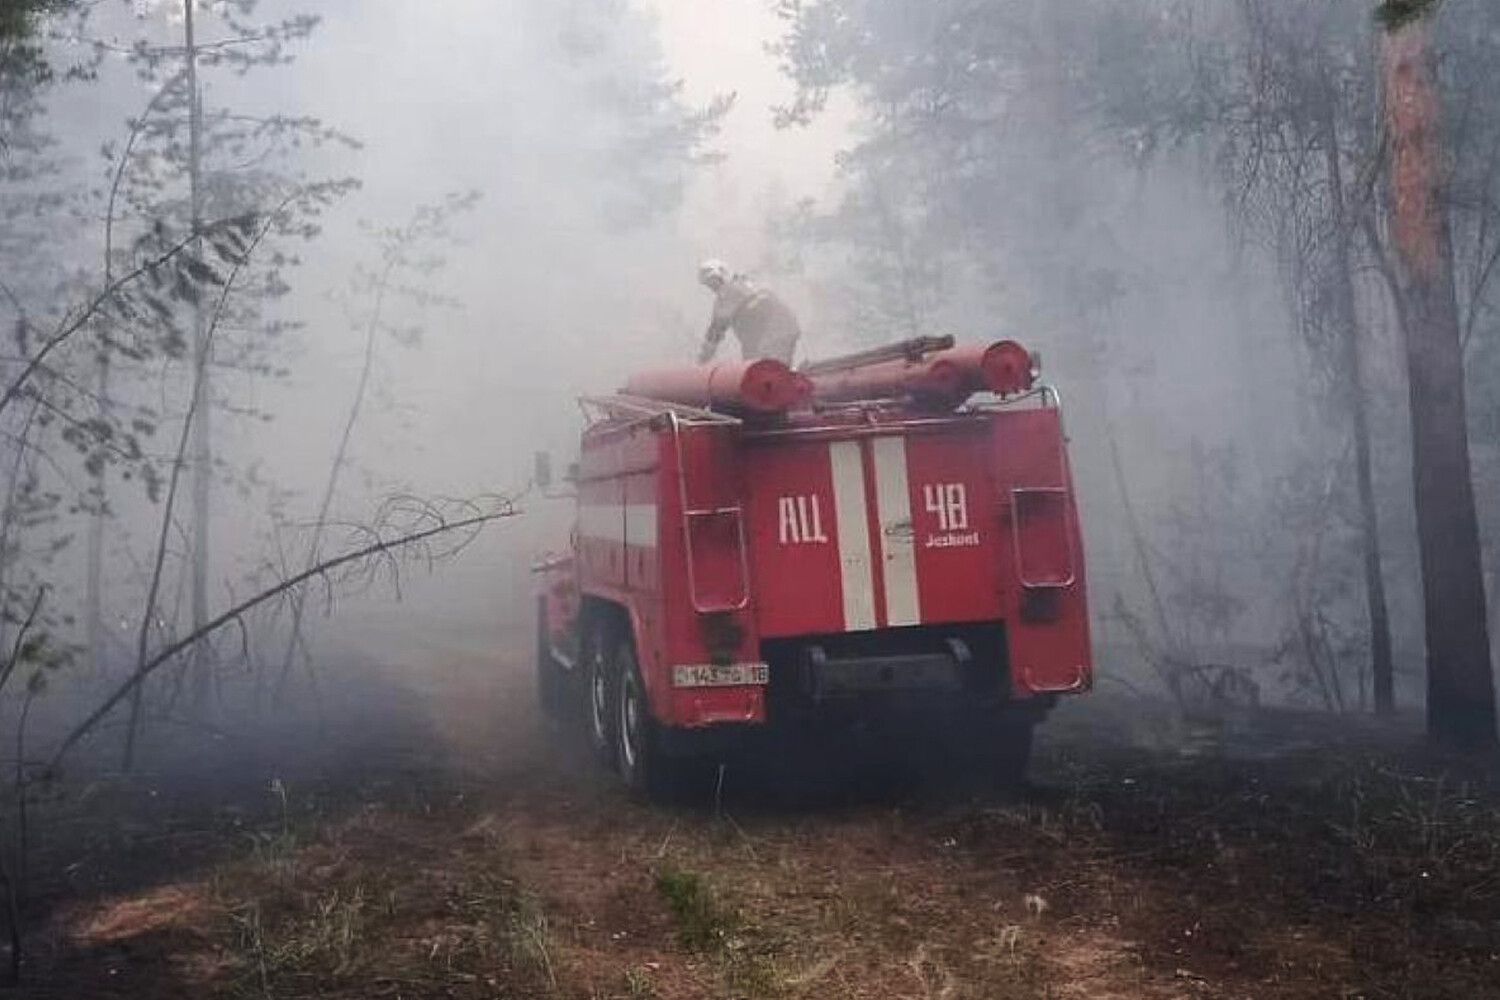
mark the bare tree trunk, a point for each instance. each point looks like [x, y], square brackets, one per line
[1347, 321]
[189, 422]
[94, 600]
[93, 604]
[1495, 607]
[203, 391]
[13, 881]
[148, 616]
[8, 509]
[340, 457]
[1460, 686]
[94, 582]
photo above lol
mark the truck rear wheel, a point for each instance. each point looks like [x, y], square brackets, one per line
[550, 684]
[642, 766]
[602, 680]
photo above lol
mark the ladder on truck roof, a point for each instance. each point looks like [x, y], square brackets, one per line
[912, 349]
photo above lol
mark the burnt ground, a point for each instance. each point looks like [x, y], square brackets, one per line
[440, 840]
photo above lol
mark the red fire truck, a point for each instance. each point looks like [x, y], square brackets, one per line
[757, 546]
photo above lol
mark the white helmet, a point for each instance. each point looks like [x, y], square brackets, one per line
[711, 269]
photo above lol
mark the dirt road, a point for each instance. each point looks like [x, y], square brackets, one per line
[450, 844]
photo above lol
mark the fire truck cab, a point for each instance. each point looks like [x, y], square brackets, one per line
[757, 546]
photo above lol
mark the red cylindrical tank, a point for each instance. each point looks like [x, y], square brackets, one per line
[1007, 367]
[761, 386]
[943, 379]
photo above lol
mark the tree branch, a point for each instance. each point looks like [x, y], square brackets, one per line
[15, 652]
[506, 509]
[69, 327]
[1476, 296]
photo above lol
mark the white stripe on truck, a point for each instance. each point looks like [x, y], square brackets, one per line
[612, 522]
[897, 532]
[852, 515]
[640, 524]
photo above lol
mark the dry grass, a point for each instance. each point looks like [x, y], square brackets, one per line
[384, 898]
[1350, 871]
[1133, 874]
[406, 900]
[848, 908]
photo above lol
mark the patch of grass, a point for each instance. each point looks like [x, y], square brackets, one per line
[638, 985]
[366, 900]
[276, 849]
[749, 973]
[707, 926]
[530, 936]
[703, 925]
[322, 935]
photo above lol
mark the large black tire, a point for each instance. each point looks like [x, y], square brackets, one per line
[601, 681]
[550, 682]
[643, 768]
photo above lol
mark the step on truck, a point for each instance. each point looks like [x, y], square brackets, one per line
[758, 547]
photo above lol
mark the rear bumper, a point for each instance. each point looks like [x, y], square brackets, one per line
[825, 677]
[918, 663]
[921, 673]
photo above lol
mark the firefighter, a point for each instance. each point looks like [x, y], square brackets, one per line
[764, 325]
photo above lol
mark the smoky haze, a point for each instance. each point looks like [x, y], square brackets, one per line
[608, 159]
[311, 686]
[555, 294]
[575, 265]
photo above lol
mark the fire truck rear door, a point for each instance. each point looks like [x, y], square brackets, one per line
[870, 532]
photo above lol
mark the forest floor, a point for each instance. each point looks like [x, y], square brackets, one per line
[441, 840]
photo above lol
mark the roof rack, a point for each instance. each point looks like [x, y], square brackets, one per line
[616, 406]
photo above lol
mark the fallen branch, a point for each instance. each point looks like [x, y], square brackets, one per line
[505, 508]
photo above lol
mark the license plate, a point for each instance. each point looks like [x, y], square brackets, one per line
[713, 675]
